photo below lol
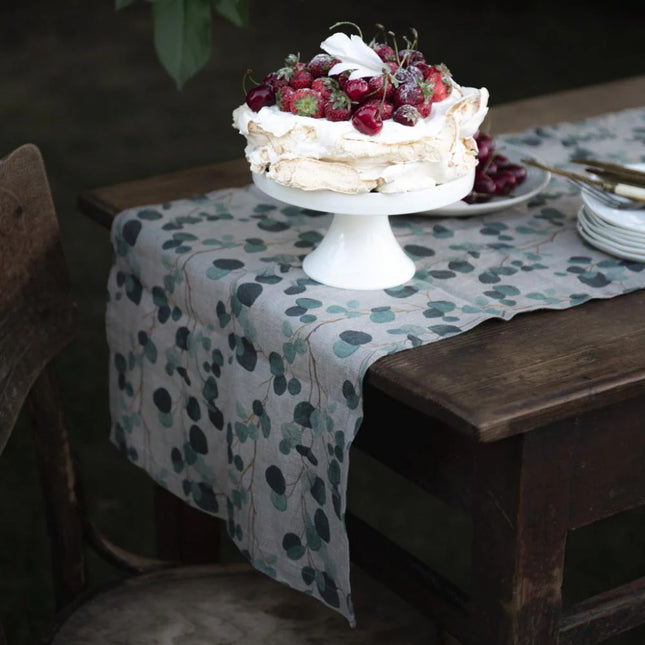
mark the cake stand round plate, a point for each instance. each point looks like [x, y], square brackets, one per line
[359, 250]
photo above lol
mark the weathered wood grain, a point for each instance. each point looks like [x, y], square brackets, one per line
[37, 315]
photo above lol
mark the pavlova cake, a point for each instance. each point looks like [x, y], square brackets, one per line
[360, 118]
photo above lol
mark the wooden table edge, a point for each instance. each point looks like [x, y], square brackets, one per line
[103, 204]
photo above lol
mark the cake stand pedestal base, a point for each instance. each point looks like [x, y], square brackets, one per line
[359, 250]
[359, 253]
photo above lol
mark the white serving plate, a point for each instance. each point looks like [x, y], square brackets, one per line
[536, 180]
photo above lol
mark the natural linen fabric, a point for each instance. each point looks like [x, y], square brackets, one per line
[235, 381]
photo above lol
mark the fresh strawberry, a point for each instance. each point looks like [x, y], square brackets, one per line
[325, 86]
[380, 85]
[284, 98]
[320, 64]
[440, 76]
[384, 107]
[307, 102]
[385, 52]
[301, 78]
[357, 89]
[293, 60]
[338, 107]
[425, 107]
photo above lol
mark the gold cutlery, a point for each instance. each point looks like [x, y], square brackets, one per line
[603, 189]
[612, 171]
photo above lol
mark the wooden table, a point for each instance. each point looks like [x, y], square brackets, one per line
[551, 443]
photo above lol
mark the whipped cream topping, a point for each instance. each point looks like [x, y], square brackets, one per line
[398, 159]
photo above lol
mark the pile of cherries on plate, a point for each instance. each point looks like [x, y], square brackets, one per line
[495, 175]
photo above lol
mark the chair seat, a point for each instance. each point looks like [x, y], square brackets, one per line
[235, 604]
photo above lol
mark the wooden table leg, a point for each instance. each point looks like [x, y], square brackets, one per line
[185, 534]
[521, 516]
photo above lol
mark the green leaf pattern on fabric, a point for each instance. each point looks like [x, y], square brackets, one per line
[235, 380]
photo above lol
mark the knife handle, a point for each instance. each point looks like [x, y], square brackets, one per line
[632, 192]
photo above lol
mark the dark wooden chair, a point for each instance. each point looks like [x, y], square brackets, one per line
[161, 601]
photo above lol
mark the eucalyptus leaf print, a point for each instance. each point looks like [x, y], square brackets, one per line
[236, 380]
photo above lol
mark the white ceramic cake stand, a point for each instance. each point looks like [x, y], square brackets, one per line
[359, 250]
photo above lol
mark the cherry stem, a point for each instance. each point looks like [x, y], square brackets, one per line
[396, 47]
[247, 74]
[347, 22]
[415, 33]
[380, 29]
[380, 108]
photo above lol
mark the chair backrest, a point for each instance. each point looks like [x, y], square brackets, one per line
[37, 320]
[37, 314]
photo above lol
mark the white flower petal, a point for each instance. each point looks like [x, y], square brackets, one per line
[359, 71]
[353, 54]
[363, 72]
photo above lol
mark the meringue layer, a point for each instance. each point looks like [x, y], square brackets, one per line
[317, 154]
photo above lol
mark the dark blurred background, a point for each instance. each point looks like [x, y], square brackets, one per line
[82, 81]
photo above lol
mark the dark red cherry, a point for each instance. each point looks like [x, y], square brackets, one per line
[411, 56]
[357, 89]
[385, 52]
[502, 161]
[260, 96]
[504, 182]
[482, 137]
[484, 151]
[409, 74]
[484, 184]
[518, 170]
[491, 167]
[366, 119]
[474, 197]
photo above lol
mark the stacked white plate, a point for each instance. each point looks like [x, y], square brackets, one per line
[618, 232]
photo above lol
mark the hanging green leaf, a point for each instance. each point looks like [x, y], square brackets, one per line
[237, 11]
[182, 31]
[182, 36]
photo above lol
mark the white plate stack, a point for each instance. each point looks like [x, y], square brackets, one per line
[618, 232]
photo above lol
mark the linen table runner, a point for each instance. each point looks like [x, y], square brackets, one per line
[235, 380]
